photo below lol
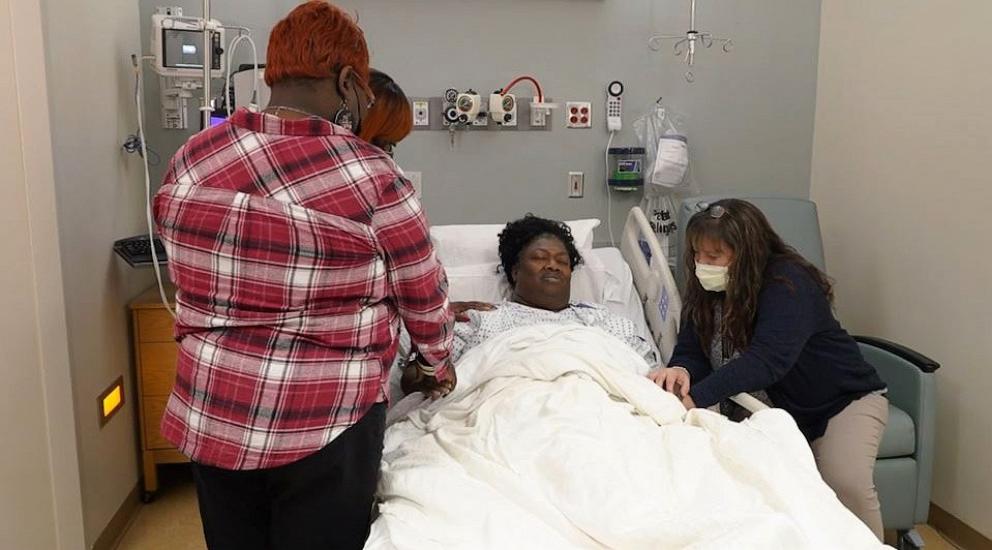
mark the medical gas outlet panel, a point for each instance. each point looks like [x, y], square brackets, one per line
[469, 110]
[466, 109]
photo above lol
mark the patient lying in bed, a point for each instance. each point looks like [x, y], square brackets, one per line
[554, 439]
[537, 256]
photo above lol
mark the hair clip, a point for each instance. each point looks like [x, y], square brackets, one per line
[715, 211]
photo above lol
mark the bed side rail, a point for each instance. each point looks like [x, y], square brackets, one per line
[653, 279]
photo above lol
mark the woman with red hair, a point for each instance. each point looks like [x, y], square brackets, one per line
[297, 248]
[391, 119]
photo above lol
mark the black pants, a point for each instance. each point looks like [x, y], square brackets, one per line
[321, 502]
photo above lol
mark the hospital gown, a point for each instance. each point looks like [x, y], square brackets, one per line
[483, 325]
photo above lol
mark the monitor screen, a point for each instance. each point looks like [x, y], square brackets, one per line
[182, 49]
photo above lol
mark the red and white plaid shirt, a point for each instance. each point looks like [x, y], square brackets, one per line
[296, 248]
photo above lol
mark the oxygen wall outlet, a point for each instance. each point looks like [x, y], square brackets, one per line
[503, 109]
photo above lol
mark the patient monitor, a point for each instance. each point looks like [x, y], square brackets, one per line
[178, 52]
[177, 44]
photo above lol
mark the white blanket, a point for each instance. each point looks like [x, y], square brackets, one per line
[551, 442]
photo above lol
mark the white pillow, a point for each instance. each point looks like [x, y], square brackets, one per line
[478, 244]
[591, 282]
[477, 283]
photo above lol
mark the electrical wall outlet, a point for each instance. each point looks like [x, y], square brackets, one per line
[416, 181]
[578, 114]
[576, 185]
[421, 112]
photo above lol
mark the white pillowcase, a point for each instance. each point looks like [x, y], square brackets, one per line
[477, 283]
[592, 281]
[475, 245]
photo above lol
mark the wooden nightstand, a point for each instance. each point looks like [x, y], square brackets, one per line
[155, 352]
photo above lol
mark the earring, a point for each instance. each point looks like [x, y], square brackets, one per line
[344, 117]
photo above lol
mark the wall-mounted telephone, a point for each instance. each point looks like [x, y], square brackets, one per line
[614, 106]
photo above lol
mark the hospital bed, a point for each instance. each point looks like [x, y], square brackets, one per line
[904, 467]
[632, 279]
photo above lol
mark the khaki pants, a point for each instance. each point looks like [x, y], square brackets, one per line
[845, 456]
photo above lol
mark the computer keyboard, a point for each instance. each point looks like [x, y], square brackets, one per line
[137, 251]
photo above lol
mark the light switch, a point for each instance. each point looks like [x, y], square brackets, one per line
[576, 183]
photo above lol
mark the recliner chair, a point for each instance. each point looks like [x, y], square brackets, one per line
[903, 471]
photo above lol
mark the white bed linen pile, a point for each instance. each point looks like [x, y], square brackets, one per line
[550, 441]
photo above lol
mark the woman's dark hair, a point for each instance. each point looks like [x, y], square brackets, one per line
[517, 235]
[745, 229]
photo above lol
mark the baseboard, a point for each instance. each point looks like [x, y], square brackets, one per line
[959, 532]
[111, 535]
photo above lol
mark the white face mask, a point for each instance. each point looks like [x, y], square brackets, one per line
[712, 277]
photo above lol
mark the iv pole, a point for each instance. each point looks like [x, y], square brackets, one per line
[207, 107]
[688, 41]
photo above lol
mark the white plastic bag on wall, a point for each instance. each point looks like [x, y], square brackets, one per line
[671, 164]
[666, 154]
[666, 150]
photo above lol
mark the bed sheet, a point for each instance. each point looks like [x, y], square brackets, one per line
[550, 441]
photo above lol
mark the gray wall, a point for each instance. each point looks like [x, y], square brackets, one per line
[750, 113]
[100, 198]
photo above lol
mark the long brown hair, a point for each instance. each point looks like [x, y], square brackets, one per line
[745, 230]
